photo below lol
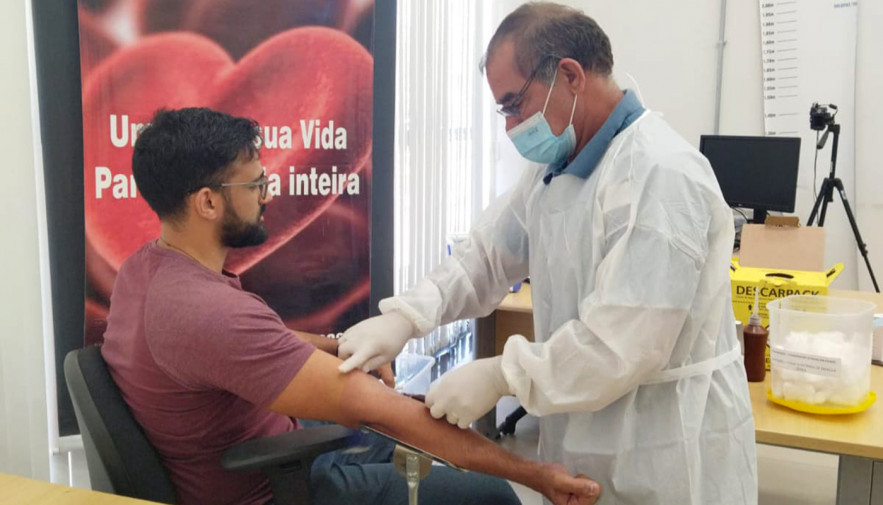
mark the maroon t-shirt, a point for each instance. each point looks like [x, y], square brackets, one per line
[199, 360]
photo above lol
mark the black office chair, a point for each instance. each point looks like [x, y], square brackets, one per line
[122, 461]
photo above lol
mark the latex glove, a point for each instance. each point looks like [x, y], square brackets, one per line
[468, 392]
[374, 342]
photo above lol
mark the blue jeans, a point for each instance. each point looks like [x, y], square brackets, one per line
[369, 478]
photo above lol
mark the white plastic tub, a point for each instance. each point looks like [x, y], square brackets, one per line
[820, 349]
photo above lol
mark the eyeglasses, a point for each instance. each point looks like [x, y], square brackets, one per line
[262, 183]
[512, 107]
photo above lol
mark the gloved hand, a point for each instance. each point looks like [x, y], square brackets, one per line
[374, 342]
[467, 393]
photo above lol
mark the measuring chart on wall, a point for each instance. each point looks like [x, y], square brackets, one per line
[808, 51]
[808, 54]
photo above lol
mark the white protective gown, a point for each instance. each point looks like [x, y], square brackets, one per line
[636, 371]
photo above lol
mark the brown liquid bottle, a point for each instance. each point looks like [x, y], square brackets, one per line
[755, 338]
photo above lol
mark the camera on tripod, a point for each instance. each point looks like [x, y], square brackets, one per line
[819, 117]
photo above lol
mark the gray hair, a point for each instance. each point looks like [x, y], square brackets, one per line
[545, 32]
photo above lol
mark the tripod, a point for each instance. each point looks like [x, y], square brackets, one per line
[826, 195]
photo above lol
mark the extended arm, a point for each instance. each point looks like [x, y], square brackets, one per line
[319, 391]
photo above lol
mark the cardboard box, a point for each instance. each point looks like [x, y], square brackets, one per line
[781, 243]
[774, 283]
[780, 259]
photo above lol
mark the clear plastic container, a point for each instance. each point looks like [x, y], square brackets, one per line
[413, 373]
[820, 350]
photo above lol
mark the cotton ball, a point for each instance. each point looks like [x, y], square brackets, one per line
[849, 355]
[818, 381]
[798, 391]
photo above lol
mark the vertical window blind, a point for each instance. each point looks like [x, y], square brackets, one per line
[444, 147]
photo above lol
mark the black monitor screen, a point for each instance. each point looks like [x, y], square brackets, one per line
[754, 172]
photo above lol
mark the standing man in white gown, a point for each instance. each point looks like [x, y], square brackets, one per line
[636, 372]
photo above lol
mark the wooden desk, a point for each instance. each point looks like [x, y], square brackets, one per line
[856, 438]
[514, 315]
[16, 490]
[853, 435]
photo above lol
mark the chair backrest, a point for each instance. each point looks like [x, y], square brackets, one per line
[120, 458]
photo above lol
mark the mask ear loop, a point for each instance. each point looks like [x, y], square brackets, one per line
[549, 94]
[573, 108]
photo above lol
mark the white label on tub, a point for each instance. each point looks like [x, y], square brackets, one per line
[807, 363]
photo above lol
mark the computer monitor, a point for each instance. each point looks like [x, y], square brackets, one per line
[758, 173]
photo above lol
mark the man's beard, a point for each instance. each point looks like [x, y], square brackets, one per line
[237, 233]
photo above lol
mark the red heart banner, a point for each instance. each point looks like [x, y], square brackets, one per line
[298, 99]
[309, 87]
[239, 25]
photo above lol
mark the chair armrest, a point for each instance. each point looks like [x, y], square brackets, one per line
[277, 450]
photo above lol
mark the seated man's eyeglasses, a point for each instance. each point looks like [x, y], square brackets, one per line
[262, 183]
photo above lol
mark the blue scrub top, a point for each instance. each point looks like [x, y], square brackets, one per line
[626, 112]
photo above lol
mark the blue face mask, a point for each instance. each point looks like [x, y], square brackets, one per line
[534, 138]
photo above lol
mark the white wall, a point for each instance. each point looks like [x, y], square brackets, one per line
[24, 432]
[670, 49]
[868, 195]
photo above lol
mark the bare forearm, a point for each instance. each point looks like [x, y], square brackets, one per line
[319, 391]
[410, 421]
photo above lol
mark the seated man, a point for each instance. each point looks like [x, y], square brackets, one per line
[205, 365]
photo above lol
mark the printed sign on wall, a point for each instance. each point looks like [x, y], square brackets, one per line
[304, 71]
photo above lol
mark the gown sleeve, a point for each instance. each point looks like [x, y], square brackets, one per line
[478, 274]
